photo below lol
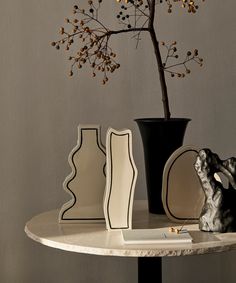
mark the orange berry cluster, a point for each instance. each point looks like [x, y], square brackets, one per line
[172, 53]
[94, 49]
[190, 5]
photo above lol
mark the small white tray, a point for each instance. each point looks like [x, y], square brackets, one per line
[155, 236]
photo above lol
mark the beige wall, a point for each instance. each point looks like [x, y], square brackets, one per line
[41, 107]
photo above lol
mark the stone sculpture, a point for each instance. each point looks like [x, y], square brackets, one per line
[219, 210]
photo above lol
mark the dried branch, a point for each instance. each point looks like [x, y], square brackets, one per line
[172, 54]
[135, 16]
[189, 5]
[95, 37]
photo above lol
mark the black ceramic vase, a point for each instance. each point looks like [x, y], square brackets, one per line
[160, 139]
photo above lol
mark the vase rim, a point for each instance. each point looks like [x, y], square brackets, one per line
[153, 120]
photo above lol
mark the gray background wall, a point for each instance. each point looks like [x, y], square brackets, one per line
[41, 107]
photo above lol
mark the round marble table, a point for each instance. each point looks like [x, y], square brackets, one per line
[95, 239]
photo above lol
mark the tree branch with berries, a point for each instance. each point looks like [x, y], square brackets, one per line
[134, 16]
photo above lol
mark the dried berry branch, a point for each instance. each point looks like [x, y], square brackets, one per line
[94, 36]
[190, 5]
[132, 15]
[135, 16]
[172, 54]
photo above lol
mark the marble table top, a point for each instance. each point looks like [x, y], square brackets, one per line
[95, 239]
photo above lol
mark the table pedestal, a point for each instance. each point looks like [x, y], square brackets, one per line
[149, 269]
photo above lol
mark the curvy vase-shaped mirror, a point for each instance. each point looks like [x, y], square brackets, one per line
[86, 183]
[121, 179]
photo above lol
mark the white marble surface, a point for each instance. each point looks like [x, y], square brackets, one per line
[95, 239]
